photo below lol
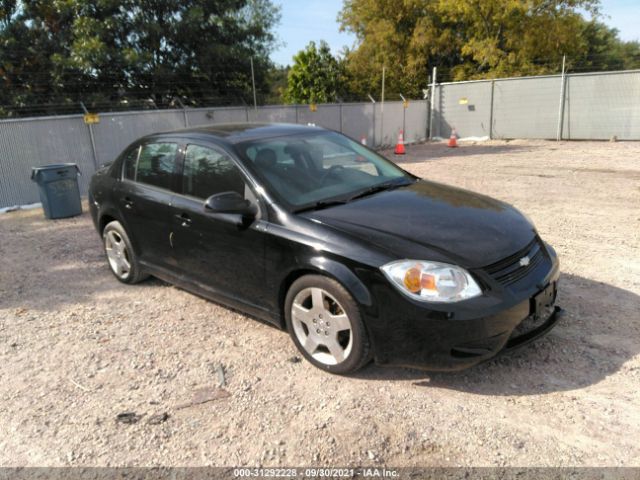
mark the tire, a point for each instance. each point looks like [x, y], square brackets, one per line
[318, 309]
[121, 258]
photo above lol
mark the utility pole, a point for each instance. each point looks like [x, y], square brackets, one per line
[561, 108]
[253, 81]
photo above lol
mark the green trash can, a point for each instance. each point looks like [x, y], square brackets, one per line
[59, 191]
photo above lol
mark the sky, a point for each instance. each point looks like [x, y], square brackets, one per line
[623, 15]
[306, 20]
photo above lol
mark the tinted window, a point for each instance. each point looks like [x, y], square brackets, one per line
[208, 171]
[156, 164]
[130, 163]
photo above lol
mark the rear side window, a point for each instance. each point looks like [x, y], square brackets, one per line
[156, 164]
[208, 171]
[130, 161]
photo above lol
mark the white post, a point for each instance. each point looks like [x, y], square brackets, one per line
[561, 108]
[433, 102]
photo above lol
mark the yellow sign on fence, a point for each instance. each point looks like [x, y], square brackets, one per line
[91, 118]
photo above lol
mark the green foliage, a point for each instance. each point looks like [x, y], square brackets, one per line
[277, 79]
[132, 52]
[470, 39]
[315, 77]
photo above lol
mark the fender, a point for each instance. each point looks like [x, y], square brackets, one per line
[345, 276]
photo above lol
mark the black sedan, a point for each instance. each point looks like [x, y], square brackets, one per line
[315, 233]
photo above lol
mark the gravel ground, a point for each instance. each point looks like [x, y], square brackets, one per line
[77, 348]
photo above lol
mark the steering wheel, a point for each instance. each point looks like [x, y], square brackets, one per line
[333, 169]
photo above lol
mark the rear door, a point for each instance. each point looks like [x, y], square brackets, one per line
[144, 196]
[220, 255]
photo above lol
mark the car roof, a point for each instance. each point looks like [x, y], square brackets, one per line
[233, 133]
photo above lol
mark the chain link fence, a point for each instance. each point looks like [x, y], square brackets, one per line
[26, 143]
[596, 106]
[582, 106]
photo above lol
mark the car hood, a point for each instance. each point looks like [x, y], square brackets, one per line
[432, 221]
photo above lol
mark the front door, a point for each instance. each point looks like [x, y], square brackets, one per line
[219, 255]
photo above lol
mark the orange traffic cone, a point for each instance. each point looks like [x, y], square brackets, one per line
[400, 145]
[453, 139]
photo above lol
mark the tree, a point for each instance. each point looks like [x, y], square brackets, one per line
[315, 77]
[469, 39]
[277, 79]
[605, 50]
[387, 31]
[133, 52]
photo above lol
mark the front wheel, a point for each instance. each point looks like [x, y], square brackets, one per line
[122, 260]
[325, 325]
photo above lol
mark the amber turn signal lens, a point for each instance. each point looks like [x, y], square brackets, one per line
[412, 279]
[428, 282]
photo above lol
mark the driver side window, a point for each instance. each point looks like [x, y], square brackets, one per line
[208, 172]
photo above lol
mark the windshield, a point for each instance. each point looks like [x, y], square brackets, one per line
[319, 168]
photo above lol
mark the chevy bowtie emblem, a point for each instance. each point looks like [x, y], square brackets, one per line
[524, 261]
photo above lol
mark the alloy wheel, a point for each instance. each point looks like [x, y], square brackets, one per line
[117, 253]
[321, 326]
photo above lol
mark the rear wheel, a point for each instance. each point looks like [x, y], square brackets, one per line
[325, 324]
[122, 260]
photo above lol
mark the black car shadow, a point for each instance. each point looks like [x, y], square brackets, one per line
[596, 336]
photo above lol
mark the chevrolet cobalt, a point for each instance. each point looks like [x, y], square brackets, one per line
[307, 229]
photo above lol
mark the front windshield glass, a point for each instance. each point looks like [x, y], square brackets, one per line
[310, 169]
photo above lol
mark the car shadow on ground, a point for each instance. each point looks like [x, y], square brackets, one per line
[594, 339]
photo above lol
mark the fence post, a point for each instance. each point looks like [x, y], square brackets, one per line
[373, 102]
[493, 87]
[91, 137]
[340, 116]
[184, 112]
[433, 102]
[561, 107]
[382, 106]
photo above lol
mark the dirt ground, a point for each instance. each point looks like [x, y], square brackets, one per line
[77, 348]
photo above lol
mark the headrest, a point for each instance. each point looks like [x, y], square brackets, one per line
[266, 158]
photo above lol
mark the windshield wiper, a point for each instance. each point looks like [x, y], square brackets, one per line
[379, 188]
[320, 205]
[390, 185]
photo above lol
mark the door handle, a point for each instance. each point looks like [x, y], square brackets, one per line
[184, 219]
[128, 203]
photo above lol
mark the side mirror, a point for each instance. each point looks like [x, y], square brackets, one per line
[230, 203]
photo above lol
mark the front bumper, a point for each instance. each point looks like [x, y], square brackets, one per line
[455, 337]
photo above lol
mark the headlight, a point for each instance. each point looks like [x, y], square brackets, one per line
[431, 281]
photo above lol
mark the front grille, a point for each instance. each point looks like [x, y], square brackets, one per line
[509, 270]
